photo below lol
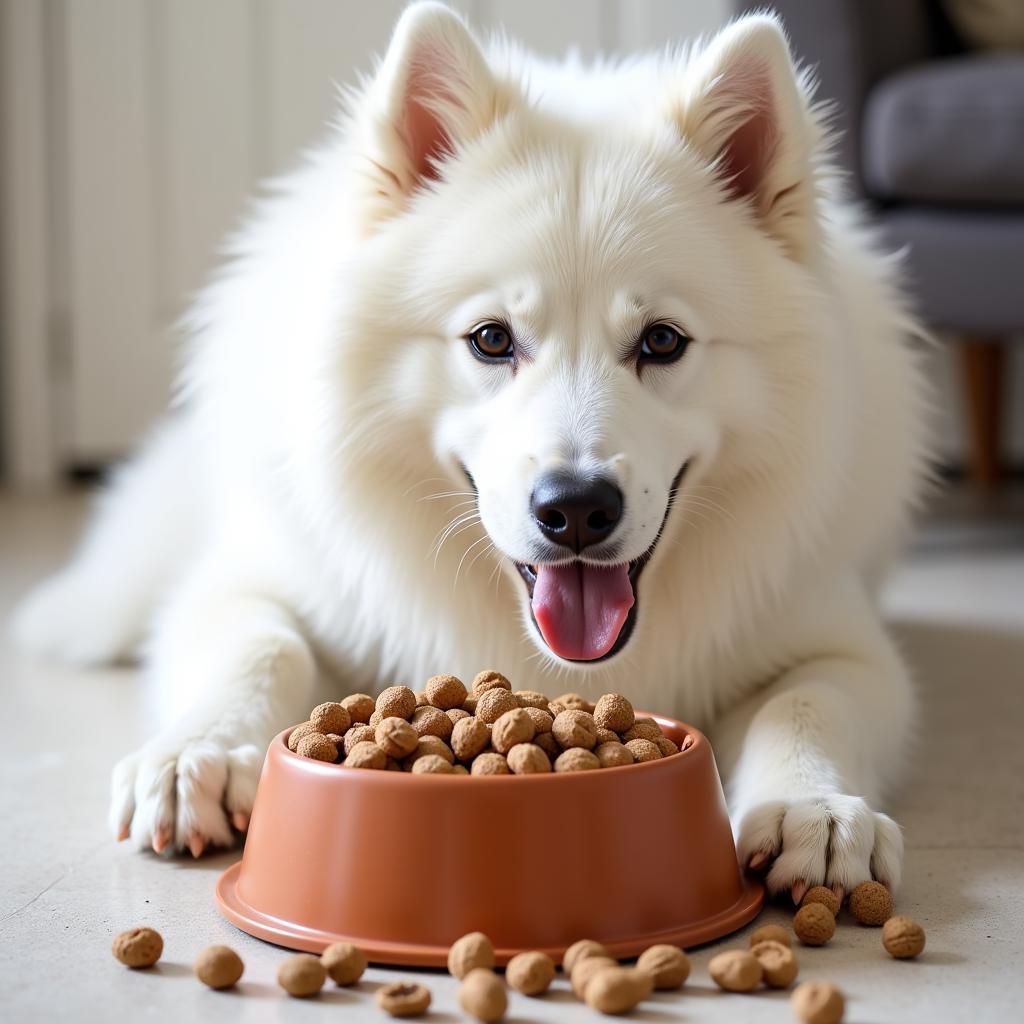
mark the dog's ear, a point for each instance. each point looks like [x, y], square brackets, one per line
[432, 92]
[745, 111]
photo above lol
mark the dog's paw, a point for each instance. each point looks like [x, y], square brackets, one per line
[184, 793]
[832, 840]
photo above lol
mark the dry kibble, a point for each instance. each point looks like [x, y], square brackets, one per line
[492, 704]
[366, 755]
[138, 947]
[483, 995]
[643, 750]
[427, 746]
[617, 989]
[541, 720]
[814, 924]
[530, 973]
[358, 734]
[585, 969]
[576, 760]
[429, 721]
[218, 967]
[512, 727]
[777, 962]
[403, 999]
[472, 950]
[532, 699]
[318, 747]
[396, 737]
[330, 717]
[824, 895]
[359, 707]
[666, 746]
[613, 754]
[469, 704]
[343, 962]
[297, 733]
[527, 759]
[555, 709]
[613, 711]
[643, 729]
[432, 764]
[818, 1002]
[605, 736]
[489, 764]
[422, 700]
[736, 970]
[456, 714]
[575, 702]
[769, 933]
[547, 742]
[903, 938]
[397, 702]
[871, 903]
[446, 692]
[301, 975]
[469, 737]
[490, 679]
[668, 966]
[580, 951]
[375, 719]
[459, 769]
[574, 728]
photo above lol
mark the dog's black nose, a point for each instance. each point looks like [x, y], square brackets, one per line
[575, 511]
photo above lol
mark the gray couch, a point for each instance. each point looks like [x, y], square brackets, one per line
[933, 136]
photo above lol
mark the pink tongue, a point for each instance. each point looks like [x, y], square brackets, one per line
[580, 608]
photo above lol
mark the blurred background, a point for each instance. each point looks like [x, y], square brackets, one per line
[133, 132]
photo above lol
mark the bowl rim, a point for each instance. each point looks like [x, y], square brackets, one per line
[279, 746]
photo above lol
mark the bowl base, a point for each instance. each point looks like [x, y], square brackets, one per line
[309, 940]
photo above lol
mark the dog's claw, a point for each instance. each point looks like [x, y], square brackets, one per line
[124, 832]
[840, 892]
[196, 844]
[161, 838]
[758, 861]
[240, 820]
[799, 891]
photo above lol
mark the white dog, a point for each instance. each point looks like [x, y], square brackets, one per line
[583, 373]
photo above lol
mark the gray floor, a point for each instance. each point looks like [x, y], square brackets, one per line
[65, 888]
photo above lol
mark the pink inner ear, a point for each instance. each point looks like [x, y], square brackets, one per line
[423, 132]
[748, 152]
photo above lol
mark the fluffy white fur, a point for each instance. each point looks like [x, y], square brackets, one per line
[301, 525]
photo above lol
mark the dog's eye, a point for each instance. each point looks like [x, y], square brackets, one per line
[662, 343]
[491, 342]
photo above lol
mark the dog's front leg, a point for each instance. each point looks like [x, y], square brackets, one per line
[235, 669]
[807, 758]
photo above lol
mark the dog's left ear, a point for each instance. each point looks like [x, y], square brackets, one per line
[744, 110]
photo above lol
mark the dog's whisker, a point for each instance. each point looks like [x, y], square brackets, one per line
[465, 554]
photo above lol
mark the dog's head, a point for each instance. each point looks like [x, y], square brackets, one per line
[594, 307]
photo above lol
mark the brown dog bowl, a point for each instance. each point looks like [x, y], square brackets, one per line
[401, 865]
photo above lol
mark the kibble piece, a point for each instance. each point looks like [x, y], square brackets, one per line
[818, 1002]
[446, 692]
[576, 760]
[297, 733]
[456, 714]
[903, 937]
[490, 679]
[528, 759]
[483, 995]
[541, 720]
[219, 967]
[574, 728]
[330, 717]
[555, 709]
[393, 765]
[366, 755]
[532, 699]
[643, 729]
[432, 764]
[359, 707]
[301, 975]
[581, 950]
[606, 736]
[318, 747]
[472, 950]
[512, 727]
[736, 970]
[575, 702]
[617, 989]
[459, 769]
[777, 962]
[489, 764]
[547, 742]
[422, 700]
[343, 962]
[469, 737]
[814, 924]
[429, 721]
[427, 745]
[824, 895]
[396, 737]
[613, 755]
[530, 973]
[469, 704]
[613, 711]
[138, 947]
[769, 932]
[396, 701]
[666, 746]
[668, 966]
[403, 999]
[358, 734]
[643, 750]
[871, 903]
[376, 718]
[492, 704]
[585, 969]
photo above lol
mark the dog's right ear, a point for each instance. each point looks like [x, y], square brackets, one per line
[432, 92]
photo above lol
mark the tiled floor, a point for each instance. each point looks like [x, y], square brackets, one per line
[957, 606]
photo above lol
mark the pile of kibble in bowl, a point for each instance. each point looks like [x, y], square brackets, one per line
[486, 729]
